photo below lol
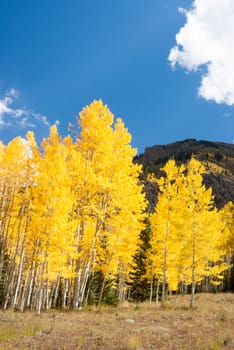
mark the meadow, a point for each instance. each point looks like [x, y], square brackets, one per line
[129, 326]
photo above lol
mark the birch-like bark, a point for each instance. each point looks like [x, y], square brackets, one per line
[164, 281]
[157, 292]
[151, 290]
[101, 291]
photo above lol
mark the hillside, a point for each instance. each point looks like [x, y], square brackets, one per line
[218, 158]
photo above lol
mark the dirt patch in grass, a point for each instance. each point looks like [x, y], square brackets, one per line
[129, 327]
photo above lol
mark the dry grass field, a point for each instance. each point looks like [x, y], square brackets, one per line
[128, 327]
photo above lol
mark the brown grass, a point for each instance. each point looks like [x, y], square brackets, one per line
[128, 327]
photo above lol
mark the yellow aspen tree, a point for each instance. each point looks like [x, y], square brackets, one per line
[3, 207]
[29, 177]
[108, 192]
[154, 271]
[11, 181]
[17, 174]
[227, 237]
[3, 215]
[51, 227]
[165, 240]
[227, 218]
[126, 208]
[31, 169]
[201, 253]
[6, 203]
[93, 149]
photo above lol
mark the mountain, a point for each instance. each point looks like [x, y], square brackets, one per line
[217, 156]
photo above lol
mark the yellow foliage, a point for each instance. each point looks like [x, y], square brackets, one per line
[187, 230]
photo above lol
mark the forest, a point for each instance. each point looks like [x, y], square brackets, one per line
[76, 228]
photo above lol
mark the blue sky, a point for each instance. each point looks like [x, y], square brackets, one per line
[57, 56]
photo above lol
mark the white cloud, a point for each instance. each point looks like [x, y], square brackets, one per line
[12, 117]
[41, 118]
[206, 40]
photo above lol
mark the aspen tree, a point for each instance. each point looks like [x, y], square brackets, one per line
[109, 202]
[227, 236]
[94, 152]
[201, 253]
[33, 159]
[227, 217]
[125, 219]
[52, 231]
[165, 240]
[29, 176]
[3, 209]
[154, 271]
[17, 174]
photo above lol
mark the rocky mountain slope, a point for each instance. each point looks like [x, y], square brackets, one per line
[217, 156]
